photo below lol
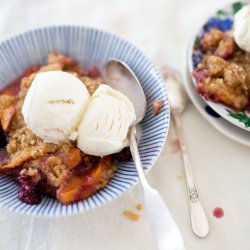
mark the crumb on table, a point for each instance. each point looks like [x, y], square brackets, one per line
[131, 215]
[139, 206]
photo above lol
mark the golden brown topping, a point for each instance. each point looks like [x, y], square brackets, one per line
[18, 121]
[226, 47]
[51, 67]
[215, 65]
[56, 58]
[22, 139]
[91, 84]
[6, 101]
[24, 146]
[54, 169]
[157, 105]
[211, 40]
[235, 75]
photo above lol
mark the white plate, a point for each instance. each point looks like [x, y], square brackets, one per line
[223, 126]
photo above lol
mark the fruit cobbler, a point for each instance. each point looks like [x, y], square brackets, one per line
[63, 170]
[223, 75]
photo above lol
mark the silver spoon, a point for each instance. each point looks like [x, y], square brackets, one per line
[178, 100]
[121, 77]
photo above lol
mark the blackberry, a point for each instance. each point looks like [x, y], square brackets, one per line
[28, 191]
[29, 195]
[24, 179]
[124, 155]
[3, 140]
[44, 188]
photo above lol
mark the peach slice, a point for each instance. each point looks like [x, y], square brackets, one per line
[71, 157]
[7, 116]
[78, 188]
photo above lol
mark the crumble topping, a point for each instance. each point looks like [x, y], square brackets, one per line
[91, 84]
[224, 73]
[157, 105]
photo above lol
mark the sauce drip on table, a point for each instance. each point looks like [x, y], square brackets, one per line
[218, 212]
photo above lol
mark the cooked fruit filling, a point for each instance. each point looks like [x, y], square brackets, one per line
[55, 168]
[224, 73]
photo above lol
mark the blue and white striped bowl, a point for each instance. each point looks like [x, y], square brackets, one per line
[89, 47]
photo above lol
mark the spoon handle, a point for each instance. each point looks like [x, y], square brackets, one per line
[198, 217]
[164, 229]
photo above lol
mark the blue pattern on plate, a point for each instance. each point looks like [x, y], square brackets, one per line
[223, 21]
[90, 47]
[211, 112]
[197, 58]
[223, 24]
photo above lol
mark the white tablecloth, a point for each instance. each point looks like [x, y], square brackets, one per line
[161, 29]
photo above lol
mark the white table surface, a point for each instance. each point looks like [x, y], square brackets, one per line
[161, 29]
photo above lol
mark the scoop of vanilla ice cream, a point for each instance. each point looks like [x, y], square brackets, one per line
[242, 28]
[104, 127]
[54, 105]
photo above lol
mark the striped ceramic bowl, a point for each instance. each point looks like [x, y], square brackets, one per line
[89, 47]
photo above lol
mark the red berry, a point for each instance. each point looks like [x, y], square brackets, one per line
[93, 72]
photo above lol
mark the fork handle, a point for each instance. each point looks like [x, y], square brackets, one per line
[199, 220]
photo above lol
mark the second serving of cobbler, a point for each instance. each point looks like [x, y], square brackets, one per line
[223, 70]
[224, 73]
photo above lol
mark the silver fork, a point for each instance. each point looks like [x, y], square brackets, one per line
[177, 99]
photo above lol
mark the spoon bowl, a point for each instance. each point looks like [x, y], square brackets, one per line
[121, 78]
